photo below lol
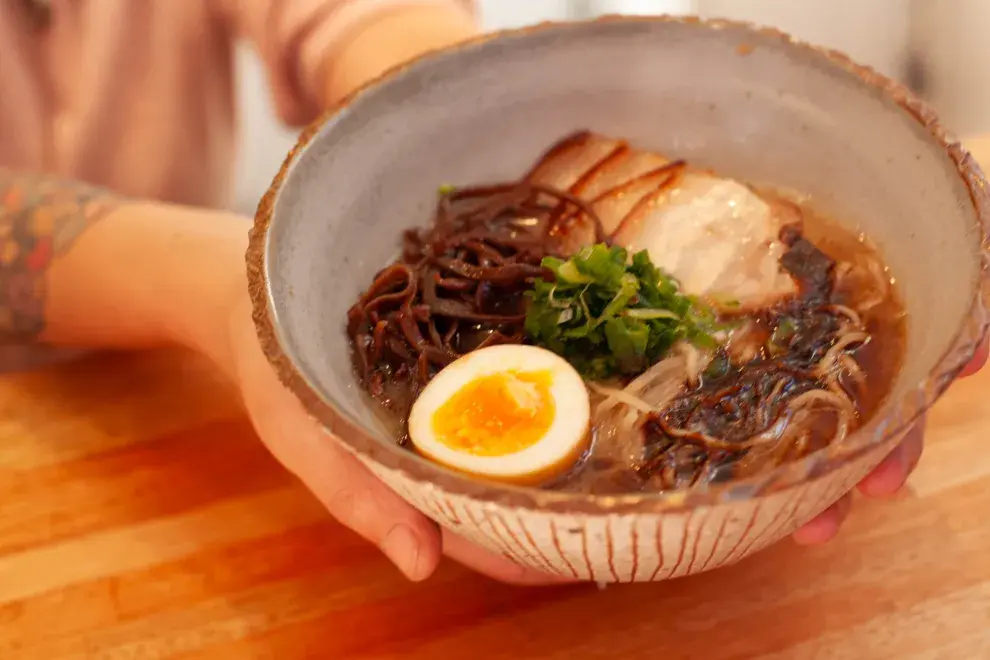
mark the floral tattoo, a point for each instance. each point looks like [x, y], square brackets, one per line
[40, 218]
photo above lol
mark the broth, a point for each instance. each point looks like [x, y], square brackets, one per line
[862, 281]
[722, 389]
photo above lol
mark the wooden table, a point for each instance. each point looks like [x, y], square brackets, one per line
[140, 518]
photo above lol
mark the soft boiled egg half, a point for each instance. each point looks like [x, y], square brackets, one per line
[509, 412]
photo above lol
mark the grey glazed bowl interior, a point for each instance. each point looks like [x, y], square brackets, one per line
[749, 103]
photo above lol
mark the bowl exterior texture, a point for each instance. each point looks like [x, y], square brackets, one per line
[748, 103]
[636, 547]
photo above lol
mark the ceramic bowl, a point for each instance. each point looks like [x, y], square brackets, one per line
[751, 103]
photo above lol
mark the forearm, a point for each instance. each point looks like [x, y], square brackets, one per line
[394, 38]
[82, 267]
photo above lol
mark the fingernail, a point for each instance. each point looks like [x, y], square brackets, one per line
[819, 530]
[401, 546]
[888, 477]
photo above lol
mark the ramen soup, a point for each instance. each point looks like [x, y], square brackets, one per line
[616, 321]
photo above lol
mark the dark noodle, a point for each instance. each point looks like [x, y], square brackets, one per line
[458, 286]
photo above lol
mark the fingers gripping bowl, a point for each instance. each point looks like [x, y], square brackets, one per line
[750, 105]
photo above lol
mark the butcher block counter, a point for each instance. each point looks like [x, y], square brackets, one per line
[141, 518]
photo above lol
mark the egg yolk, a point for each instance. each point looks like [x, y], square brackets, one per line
[497, 414]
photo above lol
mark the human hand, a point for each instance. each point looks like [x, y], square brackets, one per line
[414, 543]
[411, 541]
[352, 494]
[886, 480]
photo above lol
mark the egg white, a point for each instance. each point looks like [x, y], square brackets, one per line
[561, 445]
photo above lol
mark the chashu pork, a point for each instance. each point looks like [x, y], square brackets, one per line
[716, 236]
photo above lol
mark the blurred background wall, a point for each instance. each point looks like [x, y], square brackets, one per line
[942, 47]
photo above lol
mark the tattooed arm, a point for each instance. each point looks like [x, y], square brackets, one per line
[39, 218]
[81, 266]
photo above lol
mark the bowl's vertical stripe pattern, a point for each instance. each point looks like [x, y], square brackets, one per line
[632, 548]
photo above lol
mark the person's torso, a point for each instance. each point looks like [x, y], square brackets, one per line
[135, 95]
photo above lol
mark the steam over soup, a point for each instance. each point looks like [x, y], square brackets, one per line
[718, 330]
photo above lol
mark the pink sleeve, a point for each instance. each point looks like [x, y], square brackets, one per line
[297, 39]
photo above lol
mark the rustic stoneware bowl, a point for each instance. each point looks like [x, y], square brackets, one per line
[751, 103]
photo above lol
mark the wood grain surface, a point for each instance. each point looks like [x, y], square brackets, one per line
[140, 518]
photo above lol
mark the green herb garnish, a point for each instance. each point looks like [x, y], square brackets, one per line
[608, 315]
[446, 189]
[782, 336]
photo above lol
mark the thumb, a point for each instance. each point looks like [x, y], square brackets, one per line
[351, 493]
[359, 500]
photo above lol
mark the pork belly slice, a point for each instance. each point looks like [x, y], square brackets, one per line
[574, 157]
[718, 237]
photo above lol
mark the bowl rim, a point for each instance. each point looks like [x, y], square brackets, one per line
[884, 428]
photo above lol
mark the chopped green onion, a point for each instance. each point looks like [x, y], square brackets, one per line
[608, 314]
[651, 314]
